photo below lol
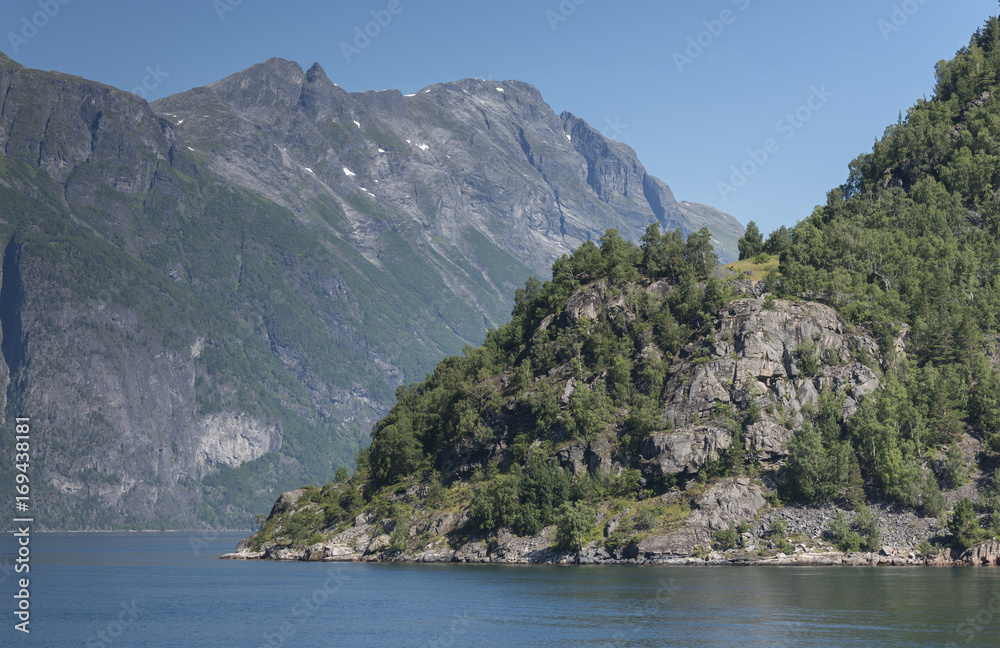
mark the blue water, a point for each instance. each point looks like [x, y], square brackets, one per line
[172, 590]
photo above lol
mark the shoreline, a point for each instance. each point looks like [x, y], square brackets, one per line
[804, 538]
[982, 555]
[833, 559]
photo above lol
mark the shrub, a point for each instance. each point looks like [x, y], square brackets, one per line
[435, 491]
[299, 528]
[964, 526]
[590, 411]
[522, 376]
[989, 504]
[620, 536]
[627, 484]
[646, 520]
[805, 357]
[865, 525]
[955, 470]
[931, 500]
[731, 537]
[495, 506]
[399, 536]
[545, 407]
[926, 548]
[574, 521]
[844, 538]
[861, 533]
[784, 546]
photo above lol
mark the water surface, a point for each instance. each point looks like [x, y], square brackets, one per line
[163, 589]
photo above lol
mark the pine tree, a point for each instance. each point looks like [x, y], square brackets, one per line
[964, 526]
[752, 242]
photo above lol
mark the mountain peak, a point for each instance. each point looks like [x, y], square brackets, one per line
[278, 64]
[316, 73]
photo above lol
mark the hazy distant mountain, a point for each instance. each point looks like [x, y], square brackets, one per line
[213, 297]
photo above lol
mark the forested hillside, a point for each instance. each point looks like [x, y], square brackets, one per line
[862, 370]
[910, 245]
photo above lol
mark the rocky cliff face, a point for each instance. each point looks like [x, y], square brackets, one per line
[213, 298]
[776, 356]
[770, 356]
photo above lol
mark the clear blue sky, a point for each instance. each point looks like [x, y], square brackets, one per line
[612, 63]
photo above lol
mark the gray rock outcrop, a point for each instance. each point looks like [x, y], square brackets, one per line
[774, 361]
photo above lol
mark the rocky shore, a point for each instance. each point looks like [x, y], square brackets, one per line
[806, 554]
[805, 541]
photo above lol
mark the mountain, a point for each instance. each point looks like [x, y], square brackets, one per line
[724, 228]
[211, 299]
[841, 404]
[473, 155]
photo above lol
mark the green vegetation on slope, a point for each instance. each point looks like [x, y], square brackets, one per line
[910, 246]
[430, 417]
[465, 401]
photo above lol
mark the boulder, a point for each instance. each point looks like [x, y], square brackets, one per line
[727, 502]
[987, 553]
[378, 544]
[684, 450]
[472, 552]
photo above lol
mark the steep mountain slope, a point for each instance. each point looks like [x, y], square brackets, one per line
[470, 156]
[200, 310]
[725, 230]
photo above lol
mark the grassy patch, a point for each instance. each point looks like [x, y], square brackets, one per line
[758, 270]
